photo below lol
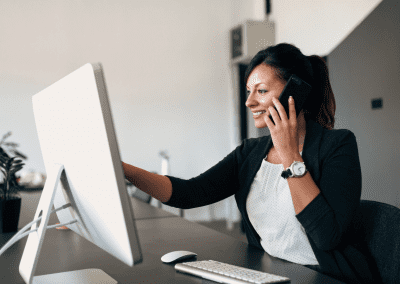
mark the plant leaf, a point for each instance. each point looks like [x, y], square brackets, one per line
[14, 170]
[5, 137]
[11, 144]
[13, 189]
[8, 165]
[3, 158]
[17, 166]
[19, 154]
[17, 162]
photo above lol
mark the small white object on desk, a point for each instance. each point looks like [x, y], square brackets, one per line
[177, 255]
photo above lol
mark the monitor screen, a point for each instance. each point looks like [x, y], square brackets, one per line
[75, 129]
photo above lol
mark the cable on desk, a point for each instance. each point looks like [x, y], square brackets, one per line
[17, 237]
[38, 219]
[48, 227]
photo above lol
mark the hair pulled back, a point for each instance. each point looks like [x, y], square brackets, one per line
[286, 59]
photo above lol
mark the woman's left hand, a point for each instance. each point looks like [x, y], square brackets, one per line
[284, 132]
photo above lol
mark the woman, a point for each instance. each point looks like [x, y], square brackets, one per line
[304, 219]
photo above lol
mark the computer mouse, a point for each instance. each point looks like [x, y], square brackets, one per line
[177, 255]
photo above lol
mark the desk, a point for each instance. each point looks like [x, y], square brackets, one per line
[159, 233]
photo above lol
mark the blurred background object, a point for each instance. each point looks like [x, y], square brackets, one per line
[32, 179]
[7, 150]
[10, 199]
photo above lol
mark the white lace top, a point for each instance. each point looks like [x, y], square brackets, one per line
[271, 212]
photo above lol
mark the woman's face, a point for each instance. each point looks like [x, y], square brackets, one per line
[262, 85]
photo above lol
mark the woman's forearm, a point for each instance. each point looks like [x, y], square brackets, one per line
[158, 186]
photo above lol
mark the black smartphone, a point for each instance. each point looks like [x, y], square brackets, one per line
[299, 90]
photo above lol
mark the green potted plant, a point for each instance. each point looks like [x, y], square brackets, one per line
[10, 199]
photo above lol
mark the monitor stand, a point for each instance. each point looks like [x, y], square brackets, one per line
[34, 243]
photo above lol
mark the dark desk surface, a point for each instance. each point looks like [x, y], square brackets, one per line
[64, 250]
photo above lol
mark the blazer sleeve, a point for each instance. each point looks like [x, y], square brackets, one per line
[217, 183]
[327, 218]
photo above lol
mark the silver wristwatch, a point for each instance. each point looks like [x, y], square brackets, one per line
[296, 169]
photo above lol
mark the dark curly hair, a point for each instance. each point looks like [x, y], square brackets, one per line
[286, 59]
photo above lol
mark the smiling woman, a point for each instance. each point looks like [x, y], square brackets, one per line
[270, 69]
[299, 203]
[262, 87]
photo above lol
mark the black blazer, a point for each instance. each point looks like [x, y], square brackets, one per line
[331, 157]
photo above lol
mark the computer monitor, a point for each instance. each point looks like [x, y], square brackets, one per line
[83, 165]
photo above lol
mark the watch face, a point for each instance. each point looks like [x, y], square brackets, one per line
[299, 168]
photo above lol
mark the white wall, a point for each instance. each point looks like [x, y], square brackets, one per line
[366, 66]
[165, 66]
[317, 27]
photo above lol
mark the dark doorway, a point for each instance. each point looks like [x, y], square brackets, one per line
[242, 101]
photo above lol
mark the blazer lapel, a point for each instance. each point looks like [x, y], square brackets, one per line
[252, 164]
[311, 154]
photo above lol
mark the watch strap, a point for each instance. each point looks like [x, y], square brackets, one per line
[287, 173]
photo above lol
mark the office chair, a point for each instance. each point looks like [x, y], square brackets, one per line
[379, 224]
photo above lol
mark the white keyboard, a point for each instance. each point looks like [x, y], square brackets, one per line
[227, 273]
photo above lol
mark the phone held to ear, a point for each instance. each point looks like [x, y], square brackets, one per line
[299, 90]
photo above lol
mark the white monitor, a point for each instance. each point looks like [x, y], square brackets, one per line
[83, 166]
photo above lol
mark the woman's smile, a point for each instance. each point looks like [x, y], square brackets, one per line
[257, 114]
